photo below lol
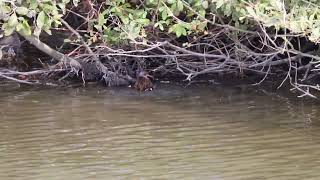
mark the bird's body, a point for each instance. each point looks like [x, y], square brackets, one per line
[144, 82]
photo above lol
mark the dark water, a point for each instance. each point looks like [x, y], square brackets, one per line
[171, 133]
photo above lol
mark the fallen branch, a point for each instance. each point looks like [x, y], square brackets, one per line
[17, 80]
[51, 52]
[8, 72]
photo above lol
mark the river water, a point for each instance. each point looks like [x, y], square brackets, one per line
[199, 132]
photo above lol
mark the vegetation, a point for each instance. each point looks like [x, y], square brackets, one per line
[110, 39]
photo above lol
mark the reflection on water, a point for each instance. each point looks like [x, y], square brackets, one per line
[170, 133]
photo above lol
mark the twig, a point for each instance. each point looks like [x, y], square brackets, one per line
[17, 80]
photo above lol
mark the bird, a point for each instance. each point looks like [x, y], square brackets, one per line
[144, 81]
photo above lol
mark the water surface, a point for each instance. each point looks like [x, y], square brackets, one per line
[200, 132]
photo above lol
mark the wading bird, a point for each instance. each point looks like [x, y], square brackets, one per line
[144, 81]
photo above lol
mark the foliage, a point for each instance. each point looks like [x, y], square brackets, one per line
[29, 16]
[299, 16]
[118, 20]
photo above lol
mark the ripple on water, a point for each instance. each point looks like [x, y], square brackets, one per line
[186, 134]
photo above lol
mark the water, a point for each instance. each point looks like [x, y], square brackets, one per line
[214, 132]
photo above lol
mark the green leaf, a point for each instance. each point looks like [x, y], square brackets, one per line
[19, 27]
[57, 17]
[8, 30]
[62, 6]
[131, 16]
[5, 9]
[13, 20]
[179, 29]
[22, 10]
[75, 2]
[101, 20]
[227, 10]
[42, 19]
[205, 4]
[25, 28]
[161, 8]
[161, 27]
[33, 4]
[171, 1]
[125, 19]
[250, 11]
[219, 3]
[277, 4]
[164, 14]
[180, 5]
[143, 21]
[202, 13]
